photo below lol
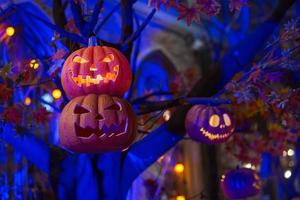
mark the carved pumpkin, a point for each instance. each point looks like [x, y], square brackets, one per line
[240, 183]
[96, 70]
[95, 123]
[209, 124]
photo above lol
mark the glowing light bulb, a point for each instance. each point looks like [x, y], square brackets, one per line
[10, 31]
[167, 115]
[287, 174]
[179, 168]
[27, 101]
[34, 64]
[290, 152]
[56, 93]
[223, 178]
[248, 165]
[181, 197]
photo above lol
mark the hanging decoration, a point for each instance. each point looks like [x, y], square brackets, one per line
[96, 70]
[209, 124]
[95, 123]
[240, 183]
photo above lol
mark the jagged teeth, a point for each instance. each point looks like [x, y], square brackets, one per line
[212, 136]
[88, 80]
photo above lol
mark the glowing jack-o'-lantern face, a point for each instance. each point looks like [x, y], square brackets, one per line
[95, 123]
[97, 70]
[210, 125]
[240, 183]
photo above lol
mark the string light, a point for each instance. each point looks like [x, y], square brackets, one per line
[27, 101]
[248, 165]
[181, 197]
[167, 115]
[34, 64]
[10, 31]
[56, 93]
[287, 174]
[290, 152]
[179, 168]
[223, 178]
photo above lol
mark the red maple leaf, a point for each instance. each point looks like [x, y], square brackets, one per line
[190, 13]
[5, 93]
[71, 26]
[237, 4]
[41, 116]
[13, 115]
[209, 7]
[158, 3]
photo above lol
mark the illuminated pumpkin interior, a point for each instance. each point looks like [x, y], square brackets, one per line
[88, 80]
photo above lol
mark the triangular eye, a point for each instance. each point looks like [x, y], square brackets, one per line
[80, 110]
[113, 107]
[108, 58]
[79, 59]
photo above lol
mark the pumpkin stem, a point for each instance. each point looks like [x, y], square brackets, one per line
[92, 40]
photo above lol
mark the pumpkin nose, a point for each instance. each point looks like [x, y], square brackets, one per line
[93, 68]
[99, 117]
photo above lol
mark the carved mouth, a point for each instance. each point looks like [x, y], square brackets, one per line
[89, 80]
[105, 131]
[214, 136]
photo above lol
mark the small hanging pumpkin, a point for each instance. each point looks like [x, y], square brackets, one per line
[95, 123]
[240, 183]
[208, 124]
[96, 70]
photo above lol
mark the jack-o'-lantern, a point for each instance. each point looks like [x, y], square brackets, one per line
[97, 123]
[209, 124]
[96, 70]
[240, 183]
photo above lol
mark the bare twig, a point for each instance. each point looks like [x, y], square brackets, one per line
[106, 18]
[148, 107]
[94, 19]
[143, 98]
[141, 28]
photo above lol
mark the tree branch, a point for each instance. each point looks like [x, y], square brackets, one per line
[148, 107]
[137, 33]
[106, 18]
[127, 26]
[142, 154]
[94, 19]
[143, 98]
[32, 148]
[61, 31]
[60, 20]
[78, 17]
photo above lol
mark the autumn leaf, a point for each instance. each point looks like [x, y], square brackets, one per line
[13, 115]
[41, 116]
[208, 7]
[5, 93]
[158, 3]
[191, 14]
[236, 5]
